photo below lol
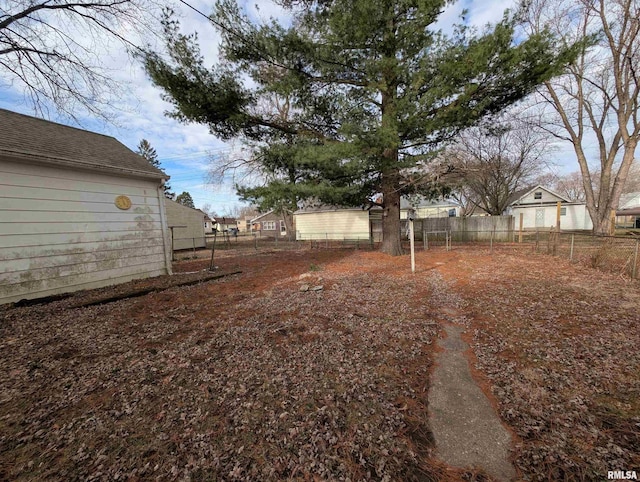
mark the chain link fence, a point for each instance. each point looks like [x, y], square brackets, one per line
[249, 243]
[616, 254]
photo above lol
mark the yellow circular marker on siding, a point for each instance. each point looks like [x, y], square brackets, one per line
[123, 202]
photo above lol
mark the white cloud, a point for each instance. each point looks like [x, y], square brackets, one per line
[139, 109]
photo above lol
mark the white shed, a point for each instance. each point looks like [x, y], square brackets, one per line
[78, 210]
[332, 223]
[538, 206]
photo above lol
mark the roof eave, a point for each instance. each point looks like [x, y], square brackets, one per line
[62, 162]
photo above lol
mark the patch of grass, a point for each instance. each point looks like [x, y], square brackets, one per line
[315, 267]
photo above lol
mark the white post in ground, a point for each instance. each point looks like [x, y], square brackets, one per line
[411, 216]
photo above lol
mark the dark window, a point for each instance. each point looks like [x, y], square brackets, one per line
[537, 195]
[563, 211]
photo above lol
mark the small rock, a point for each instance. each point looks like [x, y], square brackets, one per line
[304, 288]
[317, 288]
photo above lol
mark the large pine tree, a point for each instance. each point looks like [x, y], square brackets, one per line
[371, 88]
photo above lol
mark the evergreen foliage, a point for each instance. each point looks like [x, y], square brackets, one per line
[185, 199]
[368, 90]
[149, 153]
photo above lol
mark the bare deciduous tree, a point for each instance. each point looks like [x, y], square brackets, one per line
[52, 49]
[597, 99]
[492, 162]
[570, 186]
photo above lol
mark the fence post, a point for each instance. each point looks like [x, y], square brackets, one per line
[520, 231]
[635, 260]
[535, 246]
[571, 251]
[491, 241]
[213, 251]
[255, 240]
[426, 240]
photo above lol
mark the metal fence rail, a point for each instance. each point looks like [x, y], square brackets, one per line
[617, 254]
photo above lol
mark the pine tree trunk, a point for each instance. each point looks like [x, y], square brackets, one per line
[391, 242]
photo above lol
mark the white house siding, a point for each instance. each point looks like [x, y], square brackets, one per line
[60, 230]
[192, 235]
[422, 212]
[337, 224]
[547, 198]
[576, 217]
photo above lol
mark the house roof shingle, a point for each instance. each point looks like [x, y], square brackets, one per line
[36, 140]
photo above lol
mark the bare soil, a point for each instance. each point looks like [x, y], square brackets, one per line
[250, 378]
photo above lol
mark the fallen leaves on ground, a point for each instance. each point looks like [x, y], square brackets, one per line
[559, 343]
[245, 378]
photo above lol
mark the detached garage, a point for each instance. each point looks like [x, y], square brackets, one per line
[331, 223]
[78, 210]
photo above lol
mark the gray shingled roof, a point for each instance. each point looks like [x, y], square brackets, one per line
[37, 140]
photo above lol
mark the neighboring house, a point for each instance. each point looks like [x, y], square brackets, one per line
[186, 225]
[336, 223]
[269, 224]
[208, 223]
[629, 201]
[429, 208]
[628, 218]
[224, 224]
[78, 210]
[538, 205]
[244, 224]
[628, 214]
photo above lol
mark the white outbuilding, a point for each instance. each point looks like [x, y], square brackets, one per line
[538, 206]
[335, 223]
[78, 210]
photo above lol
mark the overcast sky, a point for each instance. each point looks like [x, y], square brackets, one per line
[184, 149]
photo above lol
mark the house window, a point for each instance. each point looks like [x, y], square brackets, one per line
[537, 195]
[563, 211]
[283, 228]
[269, 225]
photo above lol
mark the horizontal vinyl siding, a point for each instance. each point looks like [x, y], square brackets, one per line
[577, 217]
[332, 225]
[78, 239]
[61, 231]
[547, 197]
